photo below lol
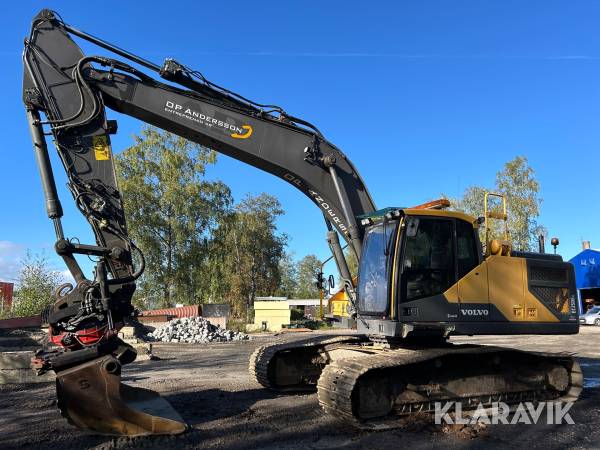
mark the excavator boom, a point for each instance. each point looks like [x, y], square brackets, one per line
[66, 92]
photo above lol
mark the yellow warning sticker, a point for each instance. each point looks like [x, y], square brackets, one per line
[101, 148]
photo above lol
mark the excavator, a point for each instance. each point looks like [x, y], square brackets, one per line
[423, 276]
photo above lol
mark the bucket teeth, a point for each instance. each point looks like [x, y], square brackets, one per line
[92, 397]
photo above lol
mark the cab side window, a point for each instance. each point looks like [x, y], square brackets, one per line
[466, 247]
[428, 267]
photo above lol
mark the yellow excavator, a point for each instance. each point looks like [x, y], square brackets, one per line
[423, 277]
[423, 273]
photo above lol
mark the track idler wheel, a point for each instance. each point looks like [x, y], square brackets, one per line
[92, 397]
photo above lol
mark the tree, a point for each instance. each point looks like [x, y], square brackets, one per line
[251, 250]
[352, 262]
[172, 210]
[518, 183]
[288, 275]
[308, 268]
[472, 203]
[35, 286]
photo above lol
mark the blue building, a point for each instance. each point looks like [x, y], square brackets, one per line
[587, 276]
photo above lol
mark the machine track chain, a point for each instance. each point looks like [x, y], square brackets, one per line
[263, 356]
[339, 379]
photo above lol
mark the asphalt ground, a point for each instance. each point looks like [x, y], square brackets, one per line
[210, 387]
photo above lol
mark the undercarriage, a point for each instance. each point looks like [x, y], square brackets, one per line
[372, 384]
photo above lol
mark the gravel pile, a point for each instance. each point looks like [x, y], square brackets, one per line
[194, 330]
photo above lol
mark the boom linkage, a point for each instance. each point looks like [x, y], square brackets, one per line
[71, 90]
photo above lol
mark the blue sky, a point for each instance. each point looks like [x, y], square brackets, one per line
[425, 97]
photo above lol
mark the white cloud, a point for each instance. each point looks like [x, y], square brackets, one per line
[65, 273]
[11, 255]
[66, 277]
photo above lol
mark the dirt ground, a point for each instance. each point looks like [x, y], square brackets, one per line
[211, 388]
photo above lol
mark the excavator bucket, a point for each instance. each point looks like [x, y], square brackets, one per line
[92, 397]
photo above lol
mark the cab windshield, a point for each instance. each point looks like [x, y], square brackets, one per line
[374, 269]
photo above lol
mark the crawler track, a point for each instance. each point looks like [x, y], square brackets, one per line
[373, 387]
[263, 361]
[339, 387]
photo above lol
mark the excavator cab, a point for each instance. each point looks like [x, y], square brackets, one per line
[424, 272]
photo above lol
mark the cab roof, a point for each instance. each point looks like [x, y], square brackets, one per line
[440, 213]
[379, 214]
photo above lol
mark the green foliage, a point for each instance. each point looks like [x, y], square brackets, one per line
[237, 324]
[288, 274]
[308, 268]
[250, 251]
[296, 314]
[352, 262]
[199, 248]
[171, 212]
[472, 203]
[297, 279]
[35, 286]
[518, 183]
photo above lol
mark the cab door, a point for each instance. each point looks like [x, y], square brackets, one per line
[428, 269]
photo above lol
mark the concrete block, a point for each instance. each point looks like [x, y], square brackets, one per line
[127, 332]
[15, 360]
[19, 343]
[18, 376]
[15, 367]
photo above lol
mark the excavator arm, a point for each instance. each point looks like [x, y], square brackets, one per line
[65, 95]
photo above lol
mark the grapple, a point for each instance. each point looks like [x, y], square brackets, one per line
[92, 397]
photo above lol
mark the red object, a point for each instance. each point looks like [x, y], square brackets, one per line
[6, 294]
[155, 318]
[436, 204]
[85, 337]
[182, 311]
